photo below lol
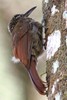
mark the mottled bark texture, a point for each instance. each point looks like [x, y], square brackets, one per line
[55, 26]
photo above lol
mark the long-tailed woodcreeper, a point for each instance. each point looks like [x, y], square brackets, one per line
[28, 44]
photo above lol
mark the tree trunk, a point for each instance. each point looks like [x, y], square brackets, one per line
[55, 29]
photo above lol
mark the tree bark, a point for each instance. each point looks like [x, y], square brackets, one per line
[55, 29]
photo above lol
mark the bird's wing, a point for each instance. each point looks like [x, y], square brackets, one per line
[22, 42]
[20, 30]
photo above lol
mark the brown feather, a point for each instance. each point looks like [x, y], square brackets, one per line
[35, 78]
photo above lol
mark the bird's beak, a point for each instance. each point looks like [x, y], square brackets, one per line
[29, 12]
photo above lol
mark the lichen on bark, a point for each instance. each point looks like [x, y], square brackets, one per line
[57, 82]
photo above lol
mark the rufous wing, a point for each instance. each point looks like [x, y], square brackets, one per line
[22, 42]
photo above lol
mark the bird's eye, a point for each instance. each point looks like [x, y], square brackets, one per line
[17, 16]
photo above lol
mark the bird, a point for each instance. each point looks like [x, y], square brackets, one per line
[27, 45]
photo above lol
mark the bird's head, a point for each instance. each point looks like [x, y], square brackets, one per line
[17, 17]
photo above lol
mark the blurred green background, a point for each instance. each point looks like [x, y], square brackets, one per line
[14, 80]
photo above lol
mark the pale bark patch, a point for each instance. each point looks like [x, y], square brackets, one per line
[54, 10]
[54, 86]
[55, 66]
[53, 43]
[46, 1]
[58, 96]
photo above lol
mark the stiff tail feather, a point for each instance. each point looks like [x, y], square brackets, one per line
[40, 86]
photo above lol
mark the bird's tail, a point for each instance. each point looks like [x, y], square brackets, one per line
[38, 83]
